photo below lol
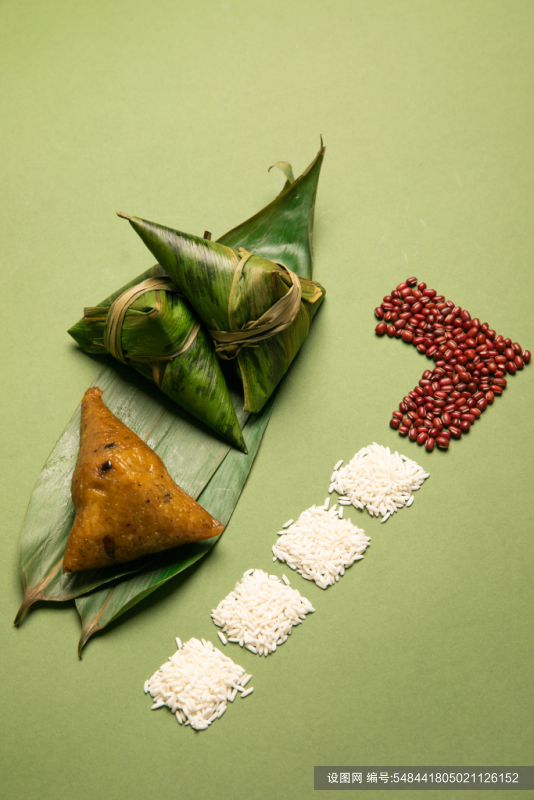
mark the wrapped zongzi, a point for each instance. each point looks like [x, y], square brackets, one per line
[126, 503]
[257, 311]
[149, 325]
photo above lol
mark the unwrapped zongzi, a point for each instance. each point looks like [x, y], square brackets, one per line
[126, 503]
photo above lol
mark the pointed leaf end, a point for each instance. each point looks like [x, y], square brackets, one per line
[27, 602]
[83, 641]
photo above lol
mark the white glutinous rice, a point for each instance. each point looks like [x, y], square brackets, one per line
[410, 501]
[221, 636]
[260, 612]
[287, 524]
[320, 546]
[196, 683]
[339, 463]
[379, 480]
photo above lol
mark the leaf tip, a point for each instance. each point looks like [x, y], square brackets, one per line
[23, 610]
[120, 214]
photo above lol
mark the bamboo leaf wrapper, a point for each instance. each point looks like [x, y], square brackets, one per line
[233, 292]
[157, 325]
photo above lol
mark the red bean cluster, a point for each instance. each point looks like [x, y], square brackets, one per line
[471, 362]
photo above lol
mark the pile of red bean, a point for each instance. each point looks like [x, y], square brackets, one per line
[471, 362]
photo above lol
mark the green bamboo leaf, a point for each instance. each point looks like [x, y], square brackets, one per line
[103, 606]
[283, 230]
[287, 169]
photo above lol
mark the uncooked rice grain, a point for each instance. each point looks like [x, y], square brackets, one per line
[196, 683]
[261, 611]
[379, 480]
[320, 545]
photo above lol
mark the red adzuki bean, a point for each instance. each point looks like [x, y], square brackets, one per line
[470, 359]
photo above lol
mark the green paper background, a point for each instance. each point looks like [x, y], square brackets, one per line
[173, 111]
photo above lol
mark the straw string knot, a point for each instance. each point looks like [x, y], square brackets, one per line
[117, 314]
[275, 320]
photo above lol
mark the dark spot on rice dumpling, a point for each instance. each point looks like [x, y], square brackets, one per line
[105, 466]
[109, 545]
[108, 446]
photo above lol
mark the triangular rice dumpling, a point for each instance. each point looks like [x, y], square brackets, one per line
[158, 324]
[126, 503]
[232, 292]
